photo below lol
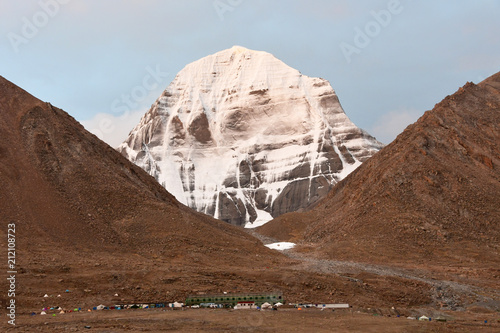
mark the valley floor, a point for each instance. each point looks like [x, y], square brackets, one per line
[377, 292]
[221, 320]
[450, 288]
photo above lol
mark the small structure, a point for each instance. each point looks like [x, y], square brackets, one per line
[176, 305]
[245, 306]
[324, 306]
[333, 306]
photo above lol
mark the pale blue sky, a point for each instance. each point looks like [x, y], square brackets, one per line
[85, 55]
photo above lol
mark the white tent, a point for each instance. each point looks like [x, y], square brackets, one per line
[177, 305]
[424, 318]
[278, 304]
[265, 305]
[100, 307]
[43, 313]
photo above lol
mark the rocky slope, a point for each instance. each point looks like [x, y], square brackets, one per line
[241, 136]
[429, 198]
[62, 184]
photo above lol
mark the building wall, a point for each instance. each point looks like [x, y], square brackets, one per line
[233, 299]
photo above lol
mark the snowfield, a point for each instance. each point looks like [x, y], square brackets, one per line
[281, 246]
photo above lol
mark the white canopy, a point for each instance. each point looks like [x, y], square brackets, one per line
[265, 305]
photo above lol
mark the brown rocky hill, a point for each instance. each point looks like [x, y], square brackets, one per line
[63, 185]
[90, 222]
[431, 197]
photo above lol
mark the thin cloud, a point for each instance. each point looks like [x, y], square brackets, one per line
[391, 124]
[113, 129]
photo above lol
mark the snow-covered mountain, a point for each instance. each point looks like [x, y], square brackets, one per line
[243, 137]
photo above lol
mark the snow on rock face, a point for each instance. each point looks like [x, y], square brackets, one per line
[243, 137]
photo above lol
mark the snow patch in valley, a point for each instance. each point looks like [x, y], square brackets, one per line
[281, 246]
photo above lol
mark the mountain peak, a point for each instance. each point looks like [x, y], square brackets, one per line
[242, 136]
[240, 49]
[236, 67]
